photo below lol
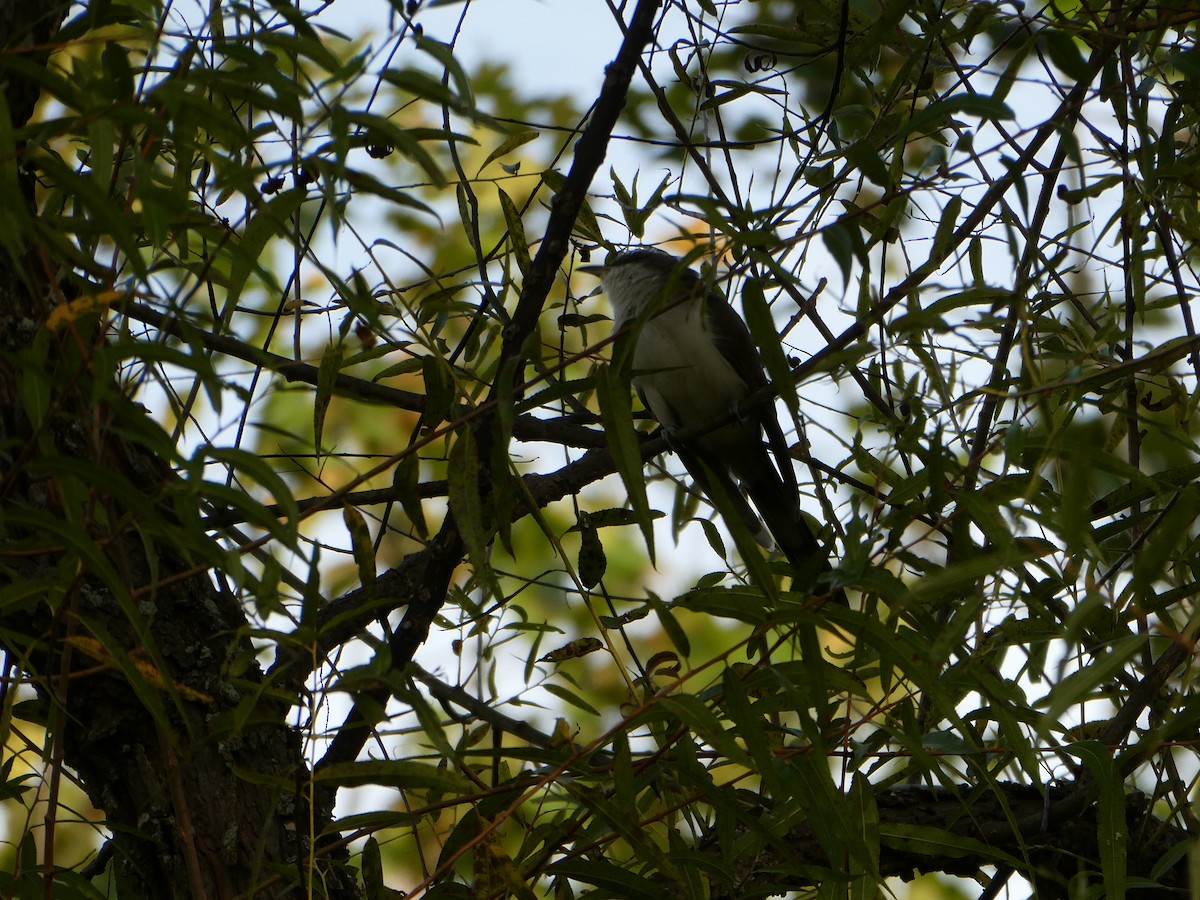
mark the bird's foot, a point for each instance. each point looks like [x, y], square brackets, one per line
[739, 415]
[669, 438]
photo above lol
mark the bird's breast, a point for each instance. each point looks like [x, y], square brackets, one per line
[680, 372]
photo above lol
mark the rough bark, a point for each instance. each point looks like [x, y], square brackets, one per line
[910, 819]
[147, 677]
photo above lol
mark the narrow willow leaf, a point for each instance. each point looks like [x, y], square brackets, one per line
[465, 499]
[739, 603]
[866, 159]
[637, 218]
[592, 561]
[737, 90]
[570, 697]
[616, 409]
[398, 773]
[762, 329]
[444, 54]
[364, 182]
[302, 39]
[863, 813]
[427, 87]
[1111, 827]
[508, 145]
[612, 880]
[937, 115]
[361, 545]
[936, 842]
[670, 625]
[1063, 50]
[439, 389]
[406, 484]
[941, 239]
[402, 139]
[516, 231]
[627, 826]
[270, 220]
[327, 373]
[706, 727]
[261, 472]
[625, 788]
[747, 723]
[1170, 533]
[372, 868]
[1087, 681]
[843, 240]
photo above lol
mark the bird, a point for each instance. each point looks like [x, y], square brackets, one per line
[694, 362]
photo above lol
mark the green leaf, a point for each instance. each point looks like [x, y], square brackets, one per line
[735, 90]
[704, 724]
[426, 87]
[1085, 682]
[844, 242]
[670, 625]
[936, 116]
[465, 499]
[570, 697]
[302, 40]
[444, 54]
[749, 725]
[934, 842]
[941, 239]
[740, 603]
[271, 219]
[402, 139]
[1063, 51]
[611, 880]
[364, 182]
[823, 803]
[516, 231]
[439, 389]
[327, 373]
[117, 71]
[508, 145]
[372, 868]
[762, 329]
[616, 409]
[1170, 534]
[866, 159]
[406, 484]
[1111, 827]
[863, 814]
[398, 773]
[282, 523]
[361, 545]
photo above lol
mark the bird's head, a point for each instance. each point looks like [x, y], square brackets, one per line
[637, 278]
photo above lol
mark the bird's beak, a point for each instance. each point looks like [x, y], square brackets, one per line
[598, 271]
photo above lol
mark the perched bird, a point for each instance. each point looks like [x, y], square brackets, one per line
[694, 362]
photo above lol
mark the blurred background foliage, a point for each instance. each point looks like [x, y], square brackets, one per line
[306, 232]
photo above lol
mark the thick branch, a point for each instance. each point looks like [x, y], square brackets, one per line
[1050, 858]
[435, 566]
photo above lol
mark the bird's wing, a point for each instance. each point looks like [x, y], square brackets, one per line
[732, 338]
[707, 472]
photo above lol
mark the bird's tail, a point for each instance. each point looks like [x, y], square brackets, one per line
[714, 480]
[777, 502]
[779, 506]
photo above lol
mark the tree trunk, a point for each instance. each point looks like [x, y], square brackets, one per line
[148, 680]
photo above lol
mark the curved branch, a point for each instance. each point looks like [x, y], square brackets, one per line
[982, 833]
[428, 573]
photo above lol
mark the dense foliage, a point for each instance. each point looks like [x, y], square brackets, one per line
[338, 559]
